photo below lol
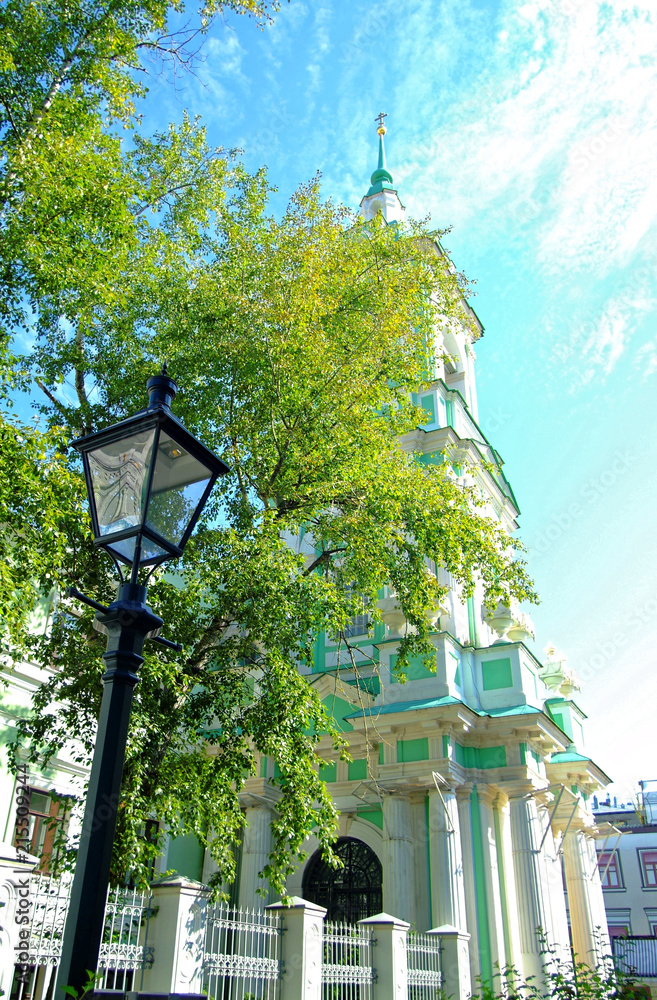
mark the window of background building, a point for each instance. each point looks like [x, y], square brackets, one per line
[45, 813]
[648, 864]
[610, 870]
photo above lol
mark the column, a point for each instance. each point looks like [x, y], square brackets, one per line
[465, 828]
[501, 813]
[558, 934]
[486, 796]
[585, 901]
[533, 910]
[255, 855]
[398, 875]
[446, 861]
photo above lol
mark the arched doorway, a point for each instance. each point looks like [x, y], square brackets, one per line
[351, 892]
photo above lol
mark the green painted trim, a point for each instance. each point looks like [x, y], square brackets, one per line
[428, 825]
[445, 746]
[501, 872]
[485, 958]
[380, 753]
[320, 652]
[523, 753]
[374, 816]
[472, 628]
[263, 766]
[481, 757]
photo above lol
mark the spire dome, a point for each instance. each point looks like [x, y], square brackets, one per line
[381, 178]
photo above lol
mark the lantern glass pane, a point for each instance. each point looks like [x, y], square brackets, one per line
[125, 549]
[119, 475]
[179, 482]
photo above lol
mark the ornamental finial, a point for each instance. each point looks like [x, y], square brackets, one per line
[379, 118]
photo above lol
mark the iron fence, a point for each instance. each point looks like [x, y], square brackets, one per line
[124, 950]
[636, 955]
[423, 964]
[347, 970]
[241, 957]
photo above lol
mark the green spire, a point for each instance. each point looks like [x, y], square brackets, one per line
[381, 178]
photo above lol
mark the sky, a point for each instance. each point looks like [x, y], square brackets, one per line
[528, 129]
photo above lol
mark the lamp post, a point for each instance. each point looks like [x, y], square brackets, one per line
[148, 480]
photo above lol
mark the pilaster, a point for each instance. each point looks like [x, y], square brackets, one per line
[463, 793]
[486, 797]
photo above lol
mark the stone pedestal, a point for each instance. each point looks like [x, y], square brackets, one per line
[301, 949]
[177, 935]
[391, 981]
[455, 962]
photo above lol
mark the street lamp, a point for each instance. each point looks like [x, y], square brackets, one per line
[148, 480]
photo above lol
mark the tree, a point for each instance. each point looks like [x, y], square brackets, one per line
[298, 343]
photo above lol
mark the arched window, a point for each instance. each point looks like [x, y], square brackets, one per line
[352, 892]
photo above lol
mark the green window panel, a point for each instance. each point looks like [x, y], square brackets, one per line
[431, 458]
[449, 413]
[490, 757]
[263, 767]
[415, 671]
[412, 750]
[357, 770]
[523, 753]
[428, 404]
[380, 753]
[445, 746]
[481, 757]
[497, 674]
[328, 772]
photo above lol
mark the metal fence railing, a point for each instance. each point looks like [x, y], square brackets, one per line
[241, 957]
[347, 967]
[636, 954]
[124, 951]
[423, 964]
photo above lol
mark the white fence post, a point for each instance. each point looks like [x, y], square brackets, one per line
[455, 961]
[391, 981]
[301, 949]
[177, 935]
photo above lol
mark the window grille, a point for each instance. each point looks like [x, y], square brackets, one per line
[351, 892]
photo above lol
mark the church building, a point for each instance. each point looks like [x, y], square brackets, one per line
[466, 803]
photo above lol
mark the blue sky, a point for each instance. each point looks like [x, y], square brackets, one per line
[529, 128]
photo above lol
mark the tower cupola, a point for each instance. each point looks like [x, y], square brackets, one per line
[382, 196]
